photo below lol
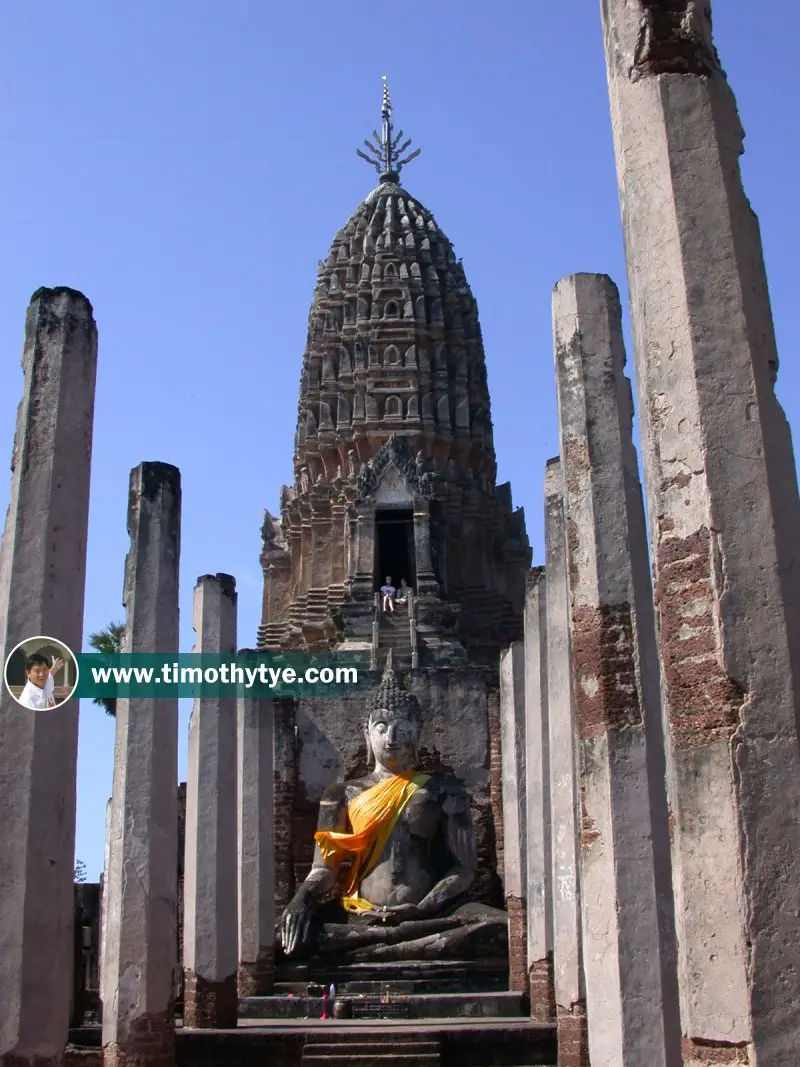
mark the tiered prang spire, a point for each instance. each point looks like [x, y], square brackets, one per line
[387, 148]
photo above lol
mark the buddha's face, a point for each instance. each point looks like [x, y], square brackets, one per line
[394, 740]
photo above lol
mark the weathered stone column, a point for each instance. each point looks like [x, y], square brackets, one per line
[256, 799]
[564, 802]
[512, 749]
[426, 583]
[362, 585]
[539, 877]
[724, 524]
[210, 911]
[627, 947]
[42, 577]
[140, 937]
[101, 954]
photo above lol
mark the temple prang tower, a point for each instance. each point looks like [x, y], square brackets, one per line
[394, 458]
[395, 474]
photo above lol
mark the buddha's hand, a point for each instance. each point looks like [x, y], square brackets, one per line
[397, 913]
[296, 924]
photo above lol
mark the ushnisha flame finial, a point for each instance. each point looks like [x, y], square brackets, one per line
[392, 696]
[386, 149]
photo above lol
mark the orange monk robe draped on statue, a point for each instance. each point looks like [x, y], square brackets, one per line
[373, 815]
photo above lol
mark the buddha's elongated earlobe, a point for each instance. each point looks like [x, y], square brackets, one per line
[370, 753]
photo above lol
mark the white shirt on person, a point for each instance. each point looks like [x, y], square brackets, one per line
[38, 699]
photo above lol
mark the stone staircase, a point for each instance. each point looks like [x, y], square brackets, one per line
[394, 633]
[312, 609]
[370, 1047]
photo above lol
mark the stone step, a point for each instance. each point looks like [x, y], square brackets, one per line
[415, 1004]
[374, 1059]
[373, 1041]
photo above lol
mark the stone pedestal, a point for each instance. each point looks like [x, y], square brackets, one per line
[256, 800]
[724, 525]
[564, 798]
[512, 747]
[42, 576]
[140, 914]
[210, 932]
[627, 945]
[539, 875]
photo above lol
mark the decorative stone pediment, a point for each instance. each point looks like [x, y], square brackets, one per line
[393, 488]
[394, 476]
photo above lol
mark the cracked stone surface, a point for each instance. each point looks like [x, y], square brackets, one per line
[210, 890]
[42, 579]
[141, 939]
[724, 521]
[626, 888]
[567, 938]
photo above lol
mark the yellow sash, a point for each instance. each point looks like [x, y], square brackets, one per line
[373, 815]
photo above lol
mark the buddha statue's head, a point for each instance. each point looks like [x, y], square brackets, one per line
[393, 724]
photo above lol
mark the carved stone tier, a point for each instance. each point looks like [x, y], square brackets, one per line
[394, 457]
[468, 558]
[394, 346]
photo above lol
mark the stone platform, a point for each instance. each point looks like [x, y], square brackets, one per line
[296, 1043]
[446, 976]
[412, 1006]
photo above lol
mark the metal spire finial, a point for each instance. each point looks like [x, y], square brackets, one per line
[387, 151]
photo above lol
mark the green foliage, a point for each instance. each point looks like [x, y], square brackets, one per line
[109, 641]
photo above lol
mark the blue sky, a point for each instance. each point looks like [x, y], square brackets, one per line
[186, 164]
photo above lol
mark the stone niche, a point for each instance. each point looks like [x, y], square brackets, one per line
[326, 740]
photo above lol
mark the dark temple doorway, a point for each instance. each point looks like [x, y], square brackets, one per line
[394, 547]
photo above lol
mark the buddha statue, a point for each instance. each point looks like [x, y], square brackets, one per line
[395, 857]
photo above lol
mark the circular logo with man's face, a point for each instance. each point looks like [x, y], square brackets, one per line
[41, 673]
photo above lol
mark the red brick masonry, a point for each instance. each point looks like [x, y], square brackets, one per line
[573, 1037]
[542, 990]
[258, 979]
[697, 1053]
[150, 1043]
[517, 944]
[209, 1005]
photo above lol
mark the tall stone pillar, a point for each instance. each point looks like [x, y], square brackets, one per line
[628, 947]
[101, 953]
[512, 749]
[564, 801]
[140, 938]
[210, 912]
[256, 799]
[42, 577]
[724, 522]
[284, 786]
[539, 876]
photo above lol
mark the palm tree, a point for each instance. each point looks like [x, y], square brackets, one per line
[110, 642]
